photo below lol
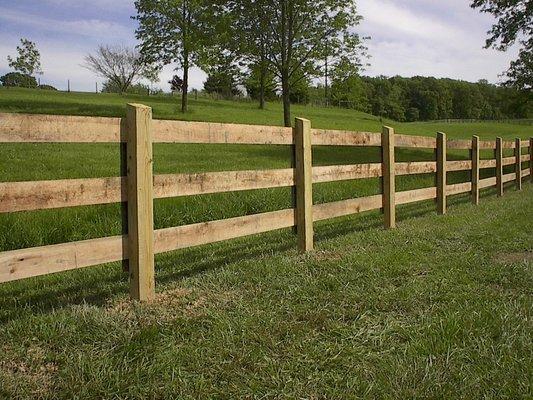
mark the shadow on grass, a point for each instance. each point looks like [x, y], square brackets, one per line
[98, 285]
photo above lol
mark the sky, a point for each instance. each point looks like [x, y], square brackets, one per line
[408, 37]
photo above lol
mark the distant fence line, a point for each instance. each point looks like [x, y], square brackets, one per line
[139, 188]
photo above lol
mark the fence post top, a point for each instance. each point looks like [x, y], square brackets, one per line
[136, 105]
[388, 129]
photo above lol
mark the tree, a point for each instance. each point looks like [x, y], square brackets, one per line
[297, 33]
[246, 21]
[176, 84]
[260, 86]
[514, 24]
[18, 79]
[223, 77]
[28, 61]
[174, 31]
[121, 66]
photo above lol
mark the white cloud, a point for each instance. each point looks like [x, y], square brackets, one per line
[94, 28]
[419, 38]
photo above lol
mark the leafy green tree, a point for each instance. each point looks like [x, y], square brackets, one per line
[260, 86]
[514, 24]
[175, 31]
[223, 78]
[246, 24]
[351, 91]
[296, 35]
[16, 79]
[28, 60]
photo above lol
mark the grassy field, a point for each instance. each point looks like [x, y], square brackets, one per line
[439, 308]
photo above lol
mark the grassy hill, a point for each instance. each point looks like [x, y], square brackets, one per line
[167, 107]
[438, 308]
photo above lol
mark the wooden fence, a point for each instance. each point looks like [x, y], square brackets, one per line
[138, 130]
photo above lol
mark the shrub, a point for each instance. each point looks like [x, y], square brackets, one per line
[18, 80]
[47, 87]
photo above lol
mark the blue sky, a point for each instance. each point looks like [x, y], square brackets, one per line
[409, 37]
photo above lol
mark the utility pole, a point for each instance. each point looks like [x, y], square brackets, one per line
[68, 85]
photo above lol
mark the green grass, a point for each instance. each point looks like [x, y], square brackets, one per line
[439, 308]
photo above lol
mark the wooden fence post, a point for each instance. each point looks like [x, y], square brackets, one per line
[475, 170]
[140, 202]
[389, 177]
[531, 159]
[499, 166]
[304, 184]
[441, 173]
[518, 163]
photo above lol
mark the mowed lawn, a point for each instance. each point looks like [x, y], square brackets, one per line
[439, 308]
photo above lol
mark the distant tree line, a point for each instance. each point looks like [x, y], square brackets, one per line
[422, 98]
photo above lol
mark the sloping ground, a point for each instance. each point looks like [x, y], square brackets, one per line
[167, 107]
[438, 308]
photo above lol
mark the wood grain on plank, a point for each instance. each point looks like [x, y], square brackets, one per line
[36, 261]
[181, 237]
[488, 182]
[415, 141]
[412, 196]
[462, 165]
[459, 188]
[26, 128]
[346, 207]
[459, 144]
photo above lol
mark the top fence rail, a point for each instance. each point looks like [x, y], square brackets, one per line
[28, 128]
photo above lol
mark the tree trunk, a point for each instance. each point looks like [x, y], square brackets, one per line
[185, 88]
[286, 99]
[262, 88]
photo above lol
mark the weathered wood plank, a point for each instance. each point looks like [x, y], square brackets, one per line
[346, 207]
[165, 131]
[44, 260]
[462, 165]
[441, 173]
[28, 128]
[181, 237]
[488, 182]
[483, 164]
[508, 161]
[509, 177]
[389, 180]
[345, 172]
[475, 170]
[459, 188]
[218, 133]
[459, 144]
[304, 184]
[40, 195]
[415, 141]
[487, 145]
[140, 202]
[416, 167]
[175, 185]
[327, 137]
[413, 196]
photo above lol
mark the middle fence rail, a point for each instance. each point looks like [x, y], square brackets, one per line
[139, 188]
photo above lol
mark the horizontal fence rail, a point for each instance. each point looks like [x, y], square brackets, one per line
[138, 190]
